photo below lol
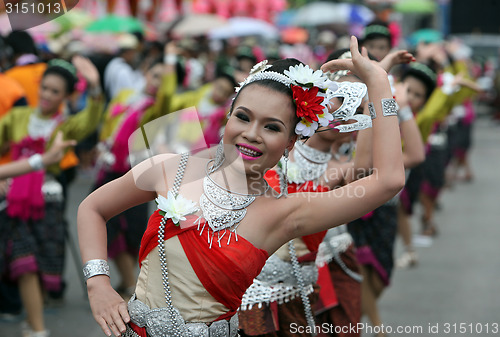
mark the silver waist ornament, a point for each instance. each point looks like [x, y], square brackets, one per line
[222, 209]
[277, 283]
[281, 281]
[312, 163]
[337, 240]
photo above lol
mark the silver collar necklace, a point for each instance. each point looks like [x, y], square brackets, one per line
[223, 209]
[345, 150]
[312, 162]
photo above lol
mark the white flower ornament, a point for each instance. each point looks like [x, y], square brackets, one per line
[449, 87]
[261, 66]
[304, 76]
[175, 208]
[306, 128]
[293, 173]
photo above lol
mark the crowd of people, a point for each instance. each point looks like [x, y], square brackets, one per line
[306, 175]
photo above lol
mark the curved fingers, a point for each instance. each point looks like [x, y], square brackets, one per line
[117, 324]
[343, 64]
[104, 326]
[335, 65]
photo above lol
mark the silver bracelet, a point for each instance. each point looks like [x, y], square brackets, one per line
[36, 162]
[170, 59]
[95, 267]
[371, 110]
[389, 107]
[405, 114]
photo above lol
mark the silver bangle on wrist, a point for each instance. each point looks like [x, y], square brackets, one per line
[95, 267]
[405, 114]
[170, 59]
[389, 107]
[36, 162]
[371, 110]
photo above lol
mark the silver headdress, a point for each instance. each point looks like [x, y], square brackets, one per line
[304, 77]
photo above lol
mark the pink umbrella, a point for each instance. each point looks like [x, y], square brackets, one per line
[168, 11]
[43, 29]
[122, 8]
[4, 24]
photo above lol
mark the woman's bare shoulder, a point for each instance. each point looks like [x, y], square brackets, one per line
[158, 172]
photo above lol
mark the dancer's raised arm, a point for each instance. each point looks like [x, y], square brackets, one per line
[310, 213]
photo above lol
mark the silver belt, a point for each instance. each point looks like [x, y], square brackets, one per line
[158, 323]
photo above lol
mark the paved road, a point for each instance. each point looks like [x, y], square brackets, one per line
[456, 281]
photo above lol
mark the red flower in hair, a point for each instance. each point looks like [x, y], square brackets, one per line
[308, 103]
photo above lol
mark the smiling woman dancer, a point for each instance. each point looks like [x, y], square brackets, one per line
[203, 286]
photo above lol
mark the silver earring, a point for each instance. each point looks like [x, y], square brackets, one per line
[219, 156]
[284, 176]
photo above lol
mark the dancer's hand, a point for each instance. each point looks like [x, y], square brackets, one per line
[171, 48]
[395, 58]
[56, 151]
[108, 307]
[87, 69]
[401, 94]
[360, 65]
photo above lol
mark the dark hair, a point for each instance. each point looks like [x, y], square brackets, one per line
[376, 30]
[424, 74]
[278, 66]
[66, 75]
[139, 35]
[245, 53]
[5, 50]
[154, 62]
[228, 76]
[21, 43]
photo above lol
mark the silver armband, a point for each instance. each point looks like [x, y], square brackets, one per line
[371, 110]
[36, 162]
[389, 107]
[170, 59]
[95, 267]
[405, 114]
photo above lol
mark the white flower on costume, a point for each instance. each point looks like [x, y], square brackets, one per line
[293, 173]
[449, 87]
[325, 119]
[306, 128]
[261, 66]
[303, 75]
[331, 85]
[176, 208]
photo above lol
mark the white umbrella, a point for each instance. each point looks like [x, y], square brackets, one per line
[197, 24]
[322, 13]
[243, 26]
